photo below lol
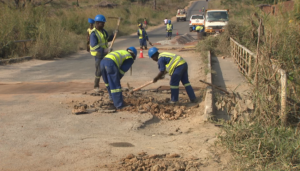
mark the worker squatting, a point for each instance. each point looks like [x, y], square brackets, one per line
[112, 65]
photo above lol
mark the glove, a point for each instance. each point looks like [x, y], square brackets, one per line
[107, 50]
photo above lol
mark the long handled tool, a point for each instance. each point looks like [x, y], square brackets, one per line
[116, 31]
[136, 89]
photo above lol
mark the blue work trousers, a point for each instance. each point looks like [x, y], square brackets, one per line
[181, 74]
[169, 34]
[111, 78]
[143, 42]
[97, 65]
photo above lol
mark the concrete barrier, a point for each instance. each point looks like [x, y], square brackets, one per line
[208, 111]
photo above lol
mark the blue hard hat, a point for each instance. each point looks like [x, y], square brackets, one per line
[140, 24]
[152, 51]
[169, 21]
[133, 49]
[91, 21]
[100, 18]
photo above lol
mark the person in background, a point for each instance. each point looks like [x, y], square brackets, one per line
[166, 21]
[143, 37]
[89, 30]
[169, 30]
[145, 23]
[199, 30]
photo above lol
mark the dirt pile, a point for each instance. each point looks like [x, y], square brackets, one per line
[155, 103]
[158, 162]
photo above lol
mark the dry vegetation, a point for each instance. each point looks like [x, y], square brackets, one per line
[59, 27]
[267, 141]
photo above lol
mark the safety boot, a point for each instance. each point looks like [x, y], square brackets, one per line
[96, 84]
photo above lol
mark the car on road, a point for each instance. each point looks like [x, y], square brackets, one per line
[195, 20]
[181, 14]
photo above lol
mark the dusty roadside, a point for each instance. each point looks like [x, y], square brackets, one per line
[39, 132]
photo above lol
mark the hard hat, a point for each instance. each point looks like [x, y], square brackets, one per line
[140, 24]
[169, 21]
[152, 51]
[91, 21]
[100, 18]
[133, 49]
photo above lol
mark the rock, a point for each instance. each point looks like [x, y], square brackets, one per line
[130, 156]
[156, 168]
[173, 155]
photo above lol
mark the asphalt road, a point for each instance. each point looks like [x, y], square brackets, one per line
[80, 66]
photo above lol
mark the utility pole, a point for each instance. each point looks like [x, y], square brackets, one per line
[77, 3]
[154, 4]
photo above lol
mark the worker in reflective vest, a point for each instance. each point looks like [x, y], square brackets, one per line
[113, 67]
[143, 37]
[169, 30]
[89, 31]
[198, 30]
[177, 68]
[98, 46]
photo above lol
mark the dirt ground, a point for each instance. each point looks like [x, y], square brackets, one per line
[39, 132]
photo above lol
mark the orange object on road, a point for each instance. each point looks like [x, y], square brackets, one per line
[141, 54]
[177, 33]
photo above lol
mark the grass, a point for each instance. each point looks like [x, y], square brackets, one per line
[263, 142]
[59, 28]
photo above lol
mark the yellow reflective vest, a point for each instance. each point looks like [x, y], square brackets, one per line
[198, 28]
[169, 27]
[102, 41]
[175, 61]
[141, 34]
[119, 57]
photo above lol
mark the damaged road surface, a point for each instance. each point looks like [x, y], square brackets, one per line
[64, 126]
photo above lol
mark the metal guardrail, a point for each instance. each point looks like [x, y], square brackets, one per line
[243, 57]
[245, 60]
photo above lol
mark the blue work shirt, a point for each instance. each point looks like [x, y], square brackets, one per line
[162, 62]
[94, 41]
[145, 36]
[126, 66]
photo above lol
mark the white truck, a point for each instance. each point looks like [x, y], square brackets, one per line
[195, 20]
[216, 20]
[181, 14]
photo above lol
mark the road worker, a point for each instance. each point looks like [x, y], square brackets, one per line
[177, 68]
[113, 67]
[89, 30]
[199, 30]
[169, 29]
[143, 37]
[98, 46]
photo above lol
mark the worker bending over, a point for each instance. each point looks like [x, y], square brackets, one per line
[199, 30]
[98, 46]
[89, 31]
[113, 67]
[169, 29]
[177, 68]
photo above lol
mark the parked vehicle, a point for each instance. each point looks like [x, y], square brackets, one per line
[181, 14]
[195, 20]
[216, 20]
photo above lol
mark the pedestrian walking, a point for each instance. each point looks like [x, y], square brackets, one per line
[166, 21]
[145, 23]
